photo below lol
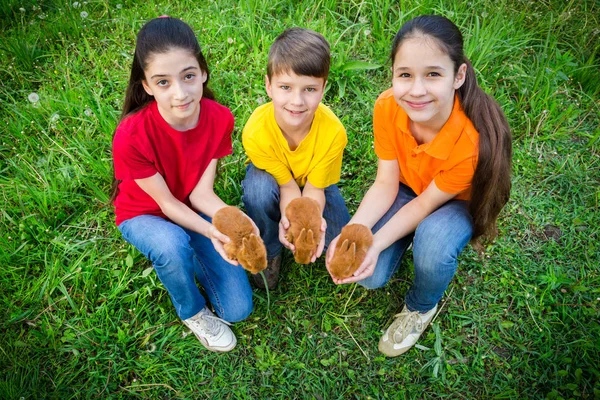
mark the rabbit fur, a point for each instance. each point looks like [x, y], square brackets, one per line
[350, 250]
[304, 232]
[244, 246]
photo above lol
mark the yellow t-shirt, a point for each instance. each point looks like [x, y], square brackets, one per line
[318, 157]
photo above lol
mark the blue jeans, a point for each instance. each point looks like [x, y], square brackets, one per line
[261, 200]
[179, 256]
[437, 242]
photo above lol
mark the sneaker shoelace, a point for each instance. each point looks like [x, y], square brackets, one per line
[406, 324]
[211, 324]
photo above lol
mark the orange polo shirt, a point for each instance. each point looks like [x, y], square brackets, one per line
[449, 159]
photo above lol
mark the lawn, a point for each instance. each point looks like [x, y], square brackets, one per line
[84, 316]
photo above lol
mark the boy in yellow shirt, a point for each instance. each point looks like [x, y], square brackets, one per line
[295, 146]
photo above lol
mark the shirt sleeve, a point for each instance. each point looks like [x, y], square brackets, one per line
[327, 172]
[129, 161]
[384, 146]
[225, 147]
[263, 159]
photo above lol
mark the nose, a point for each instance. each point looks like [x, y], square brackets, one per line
[179, 91]
[418, 88]
[297, 99]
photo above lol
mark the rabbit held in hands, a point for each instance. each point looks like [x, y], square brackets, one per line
[350, 250]
[244, 246]
[304, 232]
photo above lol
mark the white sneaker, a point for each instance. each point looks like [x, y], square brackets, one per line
[404, 332]
[212, 331]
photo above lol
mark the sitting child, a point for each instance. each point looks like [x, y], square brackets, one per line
[295, 146]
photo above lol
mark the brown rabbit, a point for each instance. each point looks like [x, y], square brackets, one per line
[304, 232]
[350, 250]
[244, 246]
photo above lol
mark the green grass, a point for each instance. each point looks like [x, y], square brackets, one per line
[82, 316]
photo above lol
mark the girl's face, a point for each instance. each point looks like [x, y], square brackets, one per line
[424, 81]
[175, 80]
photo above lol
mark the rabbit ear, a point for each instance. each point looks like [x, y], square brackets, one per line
[302, 237]
[353, 249]
[345, 245]
[311, 237]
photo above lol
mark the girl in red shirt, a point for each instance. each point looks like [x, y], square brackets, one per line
[165, 152]
[444, 149]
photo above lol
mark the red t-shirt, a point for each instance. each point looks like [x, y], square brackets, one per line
[145, 144]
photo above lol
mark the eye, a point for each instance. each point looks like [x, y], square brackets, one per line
[404, 75]
[284, 87]
[434, 74]
[162, 82]
[187, 77]
[311, 89]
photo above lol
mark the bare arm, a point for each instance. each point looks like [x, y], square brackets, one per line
[183, 215]
[174, 209]
[203, 197]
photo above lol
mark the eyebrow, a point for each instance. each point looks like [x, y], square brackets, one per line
[165, 75]
[427, 67]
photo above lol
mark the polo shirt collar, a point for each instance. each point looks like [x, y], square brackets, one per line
[444, 141]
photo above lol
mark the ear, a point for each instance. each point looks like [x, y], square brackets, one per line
[204, 76]
[461, 74]
[345, 245]
[268, 87]
[302, 236]
[311, 237]
[244, 243]
[353, 250]
[146, 87]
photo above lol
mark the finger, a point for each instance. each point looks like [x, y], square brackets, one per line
[215, 233]
[321, 247]
[285, 222]
[323, 224]
[331, 249]
[219, 248]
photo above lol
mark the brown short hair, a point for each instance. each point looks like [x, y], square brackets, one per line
[300, 50]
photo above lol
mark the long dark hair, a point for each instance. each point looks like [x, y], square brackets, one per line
[158, 36]
[491, 182]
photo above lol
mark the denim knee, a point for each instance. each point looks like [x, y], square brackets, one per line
[439, 240]
[260, 189]
[240, 312]
[372, 282]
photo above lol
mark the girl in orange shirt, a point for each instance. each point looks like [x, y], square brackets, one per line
[444, 150]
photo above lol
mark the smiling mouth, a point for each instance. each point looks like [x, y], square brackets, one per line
[295, 112]
[183, 106]
[417, 105]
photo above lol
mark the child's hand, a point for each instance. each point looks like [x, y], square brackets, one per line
[322, 242]
[365, 270]
[284, 225]
[218, 240]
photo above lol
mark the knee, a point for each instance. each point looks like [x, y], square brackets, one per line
[372, 282]
[170, 249]
[240, 312]
[259, 188]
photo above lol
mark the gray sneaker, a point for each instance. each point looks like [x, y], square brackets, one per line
[212, 331]
[404, 332]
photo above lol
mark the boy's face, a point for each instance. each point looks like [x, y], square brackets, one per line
[295, 98]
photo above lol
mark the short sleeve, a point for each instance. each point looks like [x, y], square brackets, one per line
[328, 170]
[384, 144]
[129, 162]
[225, 147]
